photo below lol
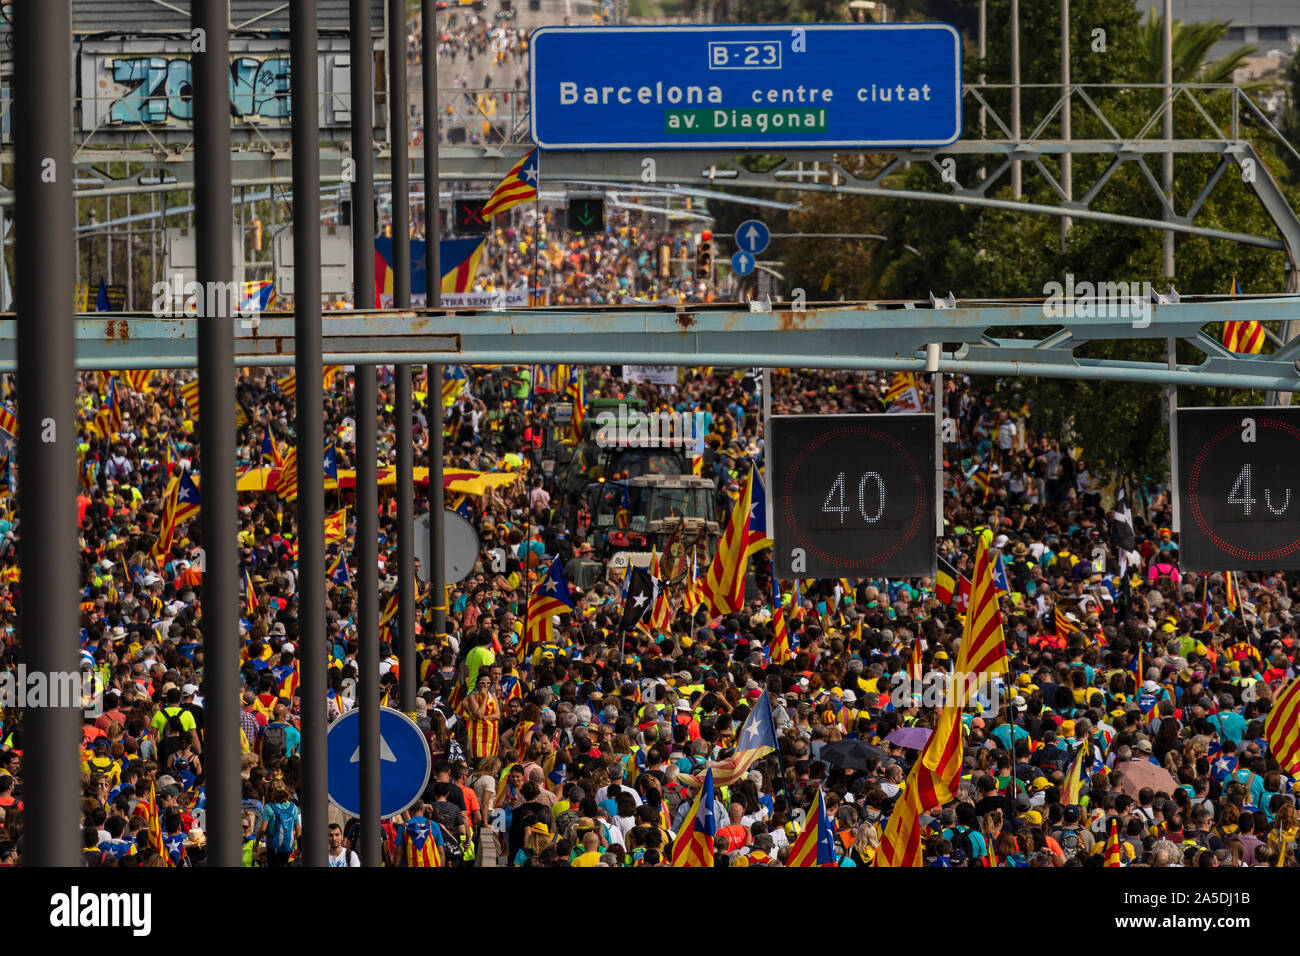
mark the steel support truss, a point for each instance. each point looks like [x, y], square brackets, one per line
[1218, 111]
[886, 336]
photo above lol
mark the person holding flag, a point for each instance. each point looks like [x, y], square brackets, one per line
[694, 843]
[816, 845]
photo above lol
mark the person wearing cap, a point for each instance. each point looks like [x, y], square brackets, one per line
[684, 716]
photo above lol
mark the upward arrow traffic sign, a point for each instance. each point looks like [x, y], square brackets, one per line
[752, 236]
[404, 762]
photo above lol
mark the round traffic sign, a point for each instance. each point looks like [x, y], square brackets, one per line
[460, 544]
[752, 236]
[742, 263]
[404, 762]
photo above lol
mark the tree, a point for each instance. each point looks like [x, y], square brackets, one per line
[988, 253]
[1191, 45]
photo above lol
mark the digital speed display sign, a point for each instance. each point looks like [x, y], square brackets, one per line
[853, 495]
[1239, 488]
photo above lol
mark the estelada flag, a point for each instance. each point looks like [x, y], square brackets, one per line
[724, 584]
[520, 185]
[694, 844]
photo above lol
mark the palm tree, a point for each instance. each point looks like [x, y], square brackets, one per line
[1192, 42]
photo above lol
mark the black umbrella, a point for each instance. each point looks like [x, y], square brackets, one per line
[851, 754]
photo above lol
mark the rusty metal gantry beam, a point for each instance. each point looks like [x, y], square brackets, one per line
[885, 336]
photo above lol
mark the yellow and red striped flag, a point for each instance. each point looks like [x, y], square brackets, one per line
[520, 185]
[336, 526]
[983, 645]
[421, 849]
[780, 649]
[549, 598]
[327, 376]
[934, 778]
[915, 669]
[1074, 779]
[931, 783]
[816, 845]
[137, 379]
[1112, 845]
[288, 385]
[661, 614]
[691, 600]
[900, 844]
[694, 843]
[1064, 626]
[1282, 728]
[250, 595]
[287, 485]
[167, 529]
[190, 395]
[1231, 599]
[1243, 337]
[724, 584]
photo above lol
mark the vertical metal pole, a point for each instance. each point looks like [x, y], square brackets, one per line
[1067, 161]
[433, 278]
[983, 78]
[404, 646]
[938, 452]
[363, 279]
[130, 255]
[769, 469]
[44, 272]
[1016, 182]
[1171, 391]
[314, 650]
[1169, 131]
[212, 193]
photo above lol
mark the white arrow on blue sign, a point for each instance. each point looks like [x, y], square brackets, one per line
[404, 762]
[752, 236]
[742, 263]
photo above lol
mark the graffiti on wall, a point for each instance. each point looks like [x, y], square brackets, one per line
[159, 89]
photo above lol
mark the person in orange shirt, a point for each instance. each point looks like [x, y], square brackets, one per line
[735, 832]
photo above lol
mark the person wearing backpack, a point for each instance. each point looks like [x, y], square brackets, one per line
[281, 826]
[173, 710]
[279, 738]
[1073, 839]
[964, 836]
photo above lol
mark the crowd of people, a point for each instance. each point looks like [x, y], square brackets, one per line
[585, 750]
[614, 267]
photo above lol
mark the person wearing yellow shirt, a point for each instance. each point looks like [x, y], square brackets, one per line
[590, 855]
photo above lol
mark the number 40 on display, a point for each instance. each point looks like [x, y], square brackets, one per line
[871, 491]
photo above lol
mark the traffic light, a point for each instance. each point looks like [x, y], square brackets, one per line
[585, 216]
[704, 257]
[469, 217]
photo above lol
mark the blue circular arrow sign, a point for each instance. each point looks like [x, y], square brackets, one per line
[742, 263]
[404, 762]
[752, 236]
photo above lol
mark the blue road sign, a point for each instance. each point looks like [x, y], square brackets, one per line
[404, 762]
[817, 84]
[742, 263]
[752, 236]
